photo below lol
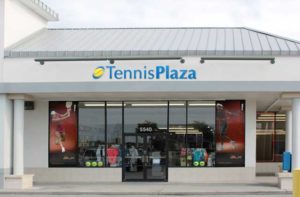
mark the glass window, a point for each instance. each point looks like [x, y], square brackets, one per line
[142, 117]
[177, 132]
[270, 136]
[280, 123]
[114, 134]
[201, 133]
[91, 138]
[89, 134]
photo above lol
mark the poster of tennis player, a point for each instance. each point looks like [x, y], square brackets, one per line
[62, 133]
[230, 133]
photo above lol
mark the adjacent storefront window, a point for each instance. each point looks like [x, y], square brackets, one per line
[270, 136]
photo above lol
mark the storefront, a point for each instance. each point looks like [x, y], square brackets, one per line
[143, 104]
[144, 138]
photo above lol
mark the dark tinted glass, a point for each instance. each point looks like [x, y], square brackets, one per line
[91, 138]
[114, 134]
[177, 132]
[265, 127]
[201, 133]
[143, 117]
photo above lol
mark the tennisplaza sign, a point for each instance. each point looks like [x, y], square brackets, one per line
[159, 72]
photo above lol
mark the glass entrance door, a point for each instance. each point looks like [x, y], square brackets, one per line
[145, 157]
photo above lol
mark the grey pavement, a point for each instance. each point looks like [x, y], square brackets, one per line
[263, 186]
[288, 195]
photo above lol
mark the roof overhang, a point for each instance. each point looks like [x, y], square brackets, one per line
[41, 9]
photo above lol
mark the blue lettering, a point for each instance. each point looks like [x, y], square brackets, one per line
[151, 74]
[110, 71]
[159, 70]
[183, 74]
[192, 74]
[137, 72]
[126, 73]
[147, 73]
[174, 74]
[167, 72]
[118, 74]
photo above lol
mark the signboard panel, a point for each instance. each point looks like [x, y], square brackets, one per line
[230, 133]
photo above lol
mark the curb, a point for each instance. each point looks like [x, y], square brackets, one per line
[146, 193]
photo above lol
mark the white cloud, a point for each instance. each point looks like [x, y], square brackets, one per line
[276, 16]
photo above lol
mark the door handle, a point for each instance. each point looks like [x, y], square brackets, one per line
[145, 159]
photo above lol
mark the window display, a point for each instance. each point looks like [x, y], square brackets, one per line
[230, 133]
[114, 134]
[63, 133]
[192, 134]
[91, 135]
[177, 133]
[201, 134]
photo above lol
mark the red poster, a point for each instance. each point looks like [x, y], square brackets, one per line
[230, 133]
[62, 133]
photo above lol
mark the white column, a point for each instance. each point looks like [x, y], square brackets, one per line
[288, 131]
[1, 38]
[2, 131]
[5, 137]
[250, 157]
[2, 99]
[18, 137]
[296, 133]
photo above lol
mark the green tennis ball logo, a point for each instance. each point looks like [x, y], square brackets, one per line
[100, 164]
[94, 163]
[196, 163]
[88, 164]
[202, 163]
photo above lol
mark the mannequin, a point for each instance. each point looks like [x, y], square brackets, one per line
[133, 153]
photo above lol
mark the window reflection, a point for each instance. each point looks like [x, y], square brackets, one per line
[190, 132]
[177, 132]
[270, 136]
[91, 138]
[145, 117]
[114, 134]
[201, 134]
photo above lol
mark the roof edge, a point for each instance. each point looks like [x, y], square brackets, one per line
[100, 28]
[273, 35]
[8, 48]
[41, 9]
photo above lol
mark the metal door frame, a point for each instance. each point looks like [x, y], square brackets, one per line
[144, 136]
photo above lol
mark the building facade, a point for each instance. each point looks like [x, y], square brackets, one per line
[141, 104]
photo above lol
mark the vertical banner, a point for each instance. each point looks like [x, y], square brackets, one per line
[230, 133]
[63, 133]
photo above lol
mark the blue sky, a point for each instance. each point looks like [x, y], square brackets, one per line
[279, 17]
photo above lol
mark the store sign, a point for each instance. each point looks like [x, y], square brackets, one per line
[144, 73]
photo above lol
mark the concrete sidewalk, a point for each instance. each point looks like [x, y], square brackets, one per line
[262, 186]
